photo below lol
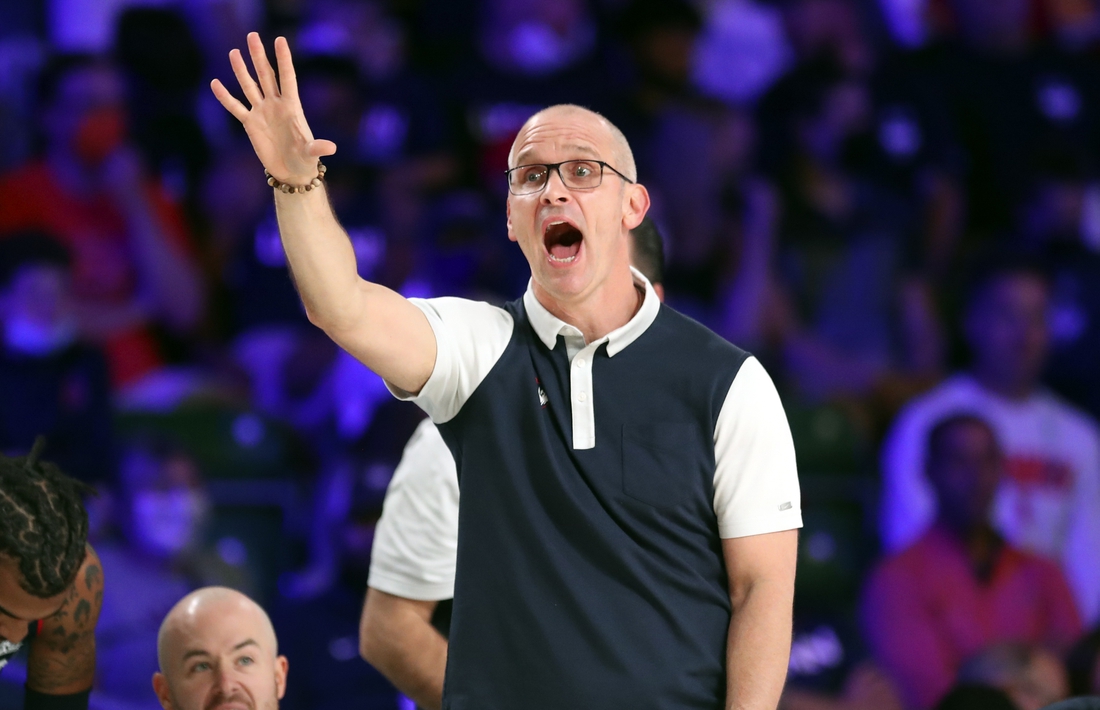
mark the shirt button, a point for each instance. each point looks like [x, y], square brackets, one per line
[582, 397]
[579, 362]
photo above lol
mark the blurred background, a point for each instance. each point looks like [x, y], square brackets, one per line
[894, 204]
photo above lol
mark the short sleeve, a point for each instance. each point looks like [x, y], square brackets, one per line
[470, 337]
[416, 539]
[755, 479]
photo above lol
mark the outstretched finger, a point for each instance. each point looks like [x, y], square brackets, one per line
[248, 85]
[288, 81]
[232, 105]
[264, 72]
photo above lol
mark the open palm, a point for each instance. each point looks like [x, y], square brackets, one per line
[275, 124]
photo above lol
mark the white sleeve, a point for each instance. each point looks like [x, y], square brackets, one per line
[470, 336]
[755, 478]
[908, 501]
[1081, 556]
[416, 539]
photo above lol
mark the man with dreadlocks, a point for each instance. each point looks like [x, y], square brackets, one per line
[51, 582]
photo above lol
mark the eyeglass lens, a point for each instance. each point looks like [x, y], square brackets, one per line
[576, 174]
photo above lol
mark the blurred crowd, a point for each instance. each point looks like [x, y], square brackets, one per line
[894, 204]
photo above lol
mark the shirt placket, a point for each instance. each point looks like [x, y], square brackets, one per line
[581, 399]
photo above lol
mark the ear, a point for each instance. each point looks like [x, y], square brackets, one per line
[635, 206]
[508, 212]
[281, 667]
[160, 687]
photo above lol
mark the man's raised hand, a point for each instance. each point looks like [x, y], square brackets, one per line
[275, 124]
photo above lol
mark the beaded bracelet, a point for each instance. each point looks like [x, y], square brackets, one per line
[290, 189]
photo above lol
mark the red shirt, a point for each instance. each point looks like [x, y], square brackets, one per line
[925, 612]
[95, 233]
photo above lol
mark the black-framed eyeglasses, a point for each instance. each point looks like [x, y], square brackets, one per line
[574, 174]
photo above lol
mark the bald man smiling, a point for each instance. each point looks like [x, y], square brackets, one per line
[217, 651]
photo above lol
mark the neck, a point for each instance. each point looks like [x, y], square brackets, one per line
[600, 311]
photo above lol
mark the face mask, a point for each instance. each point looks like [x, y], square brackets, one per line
[37, 339]
[100, 133]
[167, 522]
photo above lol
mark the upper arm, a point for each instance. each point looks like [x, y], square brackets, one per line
[767, 559]
[389, 621]
[391, 336]
[62, 655]
[756, 479]
[468, 338]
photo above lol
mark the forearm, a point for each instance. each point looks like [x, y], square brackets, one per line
[397, 638]
[759, 647]
[320, 257]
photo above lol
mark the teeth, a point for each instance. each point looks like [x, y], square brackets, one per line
[566, 260]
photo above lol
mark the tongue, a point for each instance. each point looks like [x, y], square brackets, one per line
[565, 250]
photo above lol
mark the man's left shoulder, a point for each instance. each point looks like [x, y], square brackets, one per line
[683, 334]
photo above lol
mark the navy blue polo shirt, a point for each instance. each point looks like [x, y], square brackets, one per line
[597, 481]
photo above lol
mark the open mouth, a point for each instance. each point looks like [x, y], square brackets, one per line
[562, 241]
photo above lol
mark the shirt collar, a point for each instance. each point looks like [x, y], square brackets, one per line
[548, 326]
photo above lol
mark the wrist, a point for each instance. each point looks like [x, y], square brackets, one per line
[292, 187]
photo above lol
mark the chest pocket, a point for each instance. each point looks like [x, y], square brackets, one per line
[658, 462]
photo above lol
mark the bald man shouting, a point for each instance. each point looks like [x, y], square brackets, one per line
[217, 649]
[630, 503]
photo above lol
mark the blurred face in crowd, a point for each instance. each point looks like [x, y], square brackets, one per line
[574, 239]
[1007, 331]
[168, 503]
[18, 608]
[86, 119]
[36, 310]
[964, 466]
[217, 650]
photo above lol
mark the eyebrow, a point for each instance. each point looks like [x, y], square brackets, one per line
[199, 652]
[574, 148]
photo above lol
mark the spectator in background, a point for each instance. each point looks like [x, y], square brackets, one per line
[1054, 223]
[1049, 499]
[961, 587]
[217, 648]
[1031, 676]
[321, 633]
[132, 263]
[840, 297]
[161, 554]
[1083, 665]
[52, 383]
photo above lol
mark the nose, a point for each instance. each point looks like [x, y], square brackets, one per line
[555, 192]
[224, 682]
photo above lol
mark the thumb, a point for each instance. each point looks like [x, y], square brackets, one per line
[320, 148]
